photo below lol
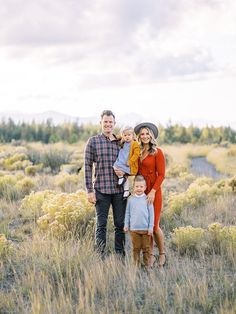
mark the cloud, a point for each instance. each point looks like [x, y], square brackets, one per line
[109, 43]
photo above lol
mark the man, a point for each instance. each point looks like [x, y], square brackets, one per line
[102, 150]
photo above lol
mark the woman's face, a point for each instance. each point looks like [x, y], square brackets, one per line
[144, 136]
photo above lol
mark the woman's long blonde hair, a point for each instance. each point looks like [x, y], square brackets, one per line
[152, 144]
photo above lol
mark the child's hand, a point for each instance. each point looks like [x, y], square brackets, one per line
[126, 229]
[150, 232]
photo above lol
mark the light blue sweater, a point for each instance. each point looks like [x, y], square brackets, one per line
[139, 214]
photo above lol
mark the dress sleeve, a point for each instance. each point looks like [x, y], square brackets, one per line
[160, 168]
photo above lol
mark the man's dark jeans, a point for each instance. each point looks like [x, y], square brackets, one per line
[103, 202]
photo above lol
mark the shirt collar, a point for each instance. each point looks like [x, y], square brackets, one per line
[107, 138]
[139, 195]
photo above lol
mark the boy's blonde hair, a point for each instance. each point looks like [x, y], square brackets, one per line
[139, 178]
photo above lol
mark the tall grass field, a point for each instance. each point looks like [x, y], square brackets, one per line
[47, 258]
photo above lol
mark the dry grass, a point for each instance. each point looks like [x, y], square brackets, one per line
[47, 275]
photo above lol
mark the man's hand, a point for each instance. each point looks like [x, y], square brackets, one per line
[119, 173]
[126, 229]
[91, 197]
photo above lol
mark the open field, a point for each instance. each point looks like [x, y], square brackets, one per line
[47, 261]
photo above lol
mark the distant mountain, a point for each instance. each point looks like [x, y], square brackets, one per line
[58, 118]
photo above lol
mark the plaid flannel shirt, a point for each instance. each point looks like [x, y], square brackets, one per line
[102, 153]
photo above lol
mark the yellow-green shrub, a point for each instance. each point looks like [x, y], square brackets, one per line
[215, 238]
[232, 183]
[5, 246]
[8, 188]
[25, 186]
[16, 162]
[231, 152]
[14, 187]
[71, 168]
[31, 170]
[187, 239]
[175, 170]
[222, 238]
[66, 214]
[32, 204]
[67, 182]
[223, 159]
[228, 238]
[196, 195]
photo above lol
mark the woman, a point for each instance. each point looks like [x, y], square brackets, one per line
[152, 168]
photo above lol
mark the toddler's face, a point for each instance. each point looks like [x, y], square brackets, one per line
[128, 136]
[139, 187]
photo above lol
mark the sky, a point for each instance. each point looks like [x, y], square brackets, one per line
[162, 59]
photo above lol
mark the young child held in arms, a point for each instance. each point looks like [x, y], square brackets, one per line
[127, 160]
[139, 219]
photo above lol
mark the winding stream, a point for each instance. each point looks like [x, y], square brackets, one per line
[201, 167]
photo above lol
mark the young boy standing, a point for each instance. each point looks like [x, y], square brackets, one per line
[139, 219]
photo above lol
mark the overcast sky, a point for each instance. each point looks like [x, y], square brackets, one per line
[165, 59]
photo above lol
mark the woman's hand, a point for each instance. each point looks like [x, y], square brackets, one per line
[151, 196]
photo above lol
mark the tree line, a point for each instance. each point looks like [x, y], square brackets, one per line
[46, 132]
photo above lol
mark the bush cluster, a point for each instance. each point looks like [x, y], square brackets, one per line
[31, 170]
[196, 195]
[14, 187]
[18, 161]
[175, 170]
[66, 214]
[5, 246]
[216, 238]
[67, 182]
[31, 205]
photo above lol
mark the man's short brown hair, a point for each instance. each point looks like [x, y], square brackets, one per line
[107, 113]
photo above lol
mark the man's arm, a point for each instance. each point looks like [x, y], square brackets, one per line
[88, 166]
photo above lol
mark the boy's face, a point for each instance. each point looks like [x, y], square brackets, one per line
[128, 136]
[139, 187]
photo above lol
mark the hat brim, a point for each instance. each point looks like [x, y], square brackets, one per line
[148, 125]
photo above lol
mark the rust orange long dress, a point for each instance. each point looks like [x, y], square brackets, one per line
[152, 168]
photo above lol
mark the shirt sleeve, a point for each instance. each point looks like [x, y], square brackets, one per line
[88, 165]
[151, 217]
[160, 167]
[127, 215]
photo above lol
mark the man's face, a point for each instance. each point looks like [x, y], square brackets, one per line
[107, 124]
